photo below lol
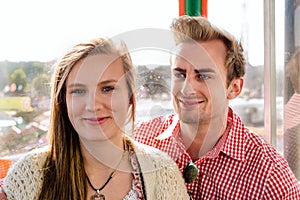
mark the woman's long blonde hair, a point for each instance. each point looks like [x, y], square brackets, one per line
[63, 174]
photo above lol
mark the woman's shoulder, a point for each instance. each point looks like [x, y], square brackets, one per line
[24, 176]
[33, 160]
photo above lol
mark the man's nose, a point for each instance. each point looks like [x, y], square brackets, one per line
[188, 87]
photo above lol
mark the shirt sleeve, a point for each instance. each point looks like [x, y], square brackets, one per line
[282, 184]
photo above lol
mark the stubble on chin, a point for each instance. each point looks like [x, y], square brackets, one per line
[189, 117]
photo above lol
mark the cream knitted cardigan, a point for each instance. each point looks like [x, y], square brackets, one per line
[162, 178]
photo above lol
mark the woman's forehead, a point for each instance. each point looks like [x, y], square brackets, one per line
[95, 68]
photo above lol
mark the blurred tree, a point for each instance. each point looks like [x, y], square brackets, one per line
[41, 86]
[34, 69]
[17, 79]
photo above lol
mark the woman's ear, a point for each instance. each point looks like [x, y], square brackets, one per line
[235, 88]
[131, 100]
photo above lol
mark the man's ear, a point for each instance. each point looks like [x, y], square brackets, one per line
[235, 88]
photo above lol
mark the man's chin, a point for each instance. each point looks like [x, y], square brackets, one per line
[189, 119]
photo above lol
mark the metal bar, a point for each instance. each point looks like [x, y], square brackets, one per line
[269, 72]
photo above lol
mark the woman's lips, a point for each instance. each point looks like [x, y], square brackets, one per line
[96, 121]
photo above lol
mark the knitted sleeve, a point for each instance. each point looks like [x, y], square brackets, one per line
[24, 178]
[170, 184]
[162, 177]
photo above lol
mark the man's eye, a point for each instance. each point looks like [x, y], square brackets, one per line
[108, 89]
[78, 91]
[179, 75]
[202, 77]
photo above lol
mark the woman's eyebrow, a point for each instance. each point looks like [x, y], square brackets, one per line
[107, 82]
[75, 85]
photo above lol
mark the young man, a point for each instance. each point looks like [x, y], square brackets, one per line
[219, 157]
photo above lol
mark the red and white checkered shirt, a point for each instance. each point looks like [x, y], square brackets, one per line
[240, 166]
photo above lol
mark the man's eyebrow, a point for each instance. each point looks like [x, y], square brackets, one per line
[204, 70]
[197, 71]
[179, 69]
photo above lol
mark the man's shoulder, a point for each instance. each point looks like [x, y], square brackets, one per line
[154, 121]
[150, 151]
[152, 127]
[280, 174]
[250, 142]
[266, 151]
[152, 156]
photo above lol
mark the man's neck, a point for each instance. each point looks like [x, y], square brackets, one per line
[200, 138]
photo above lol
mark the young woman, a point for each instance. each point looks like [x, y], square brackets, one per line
[90, 156]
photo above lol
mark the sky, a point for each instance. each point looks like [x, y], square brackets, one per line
[42, 30]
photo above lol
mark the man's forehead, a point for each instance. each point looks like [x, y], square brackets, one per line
[193, 54]
[190, 47]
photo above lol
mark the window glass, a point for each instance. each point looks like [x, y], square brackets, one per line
[292, 88]
[25, 78]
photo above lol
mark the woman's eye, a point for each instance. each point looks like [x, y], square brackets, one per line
[108, 89]
[77, 91]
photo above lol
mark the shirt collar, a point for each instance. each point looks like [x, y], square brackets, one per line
[233, 144]
[232, 140]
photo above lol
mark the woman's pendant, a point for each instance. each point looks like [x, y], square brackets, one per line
[98, 196]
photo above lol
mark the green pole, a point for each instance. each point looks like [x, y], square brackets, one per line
[193, 7]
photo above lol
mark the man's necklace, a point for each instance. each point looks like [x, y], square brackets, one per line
[98, 195]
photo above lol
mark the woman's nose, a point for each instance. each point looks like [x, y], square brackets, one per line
[92, 103]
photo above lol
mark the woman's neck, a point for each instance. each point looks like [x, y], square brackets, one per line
[107, 160]
[102, 154]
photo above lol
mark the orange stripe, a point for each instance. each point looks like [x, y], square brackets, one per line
[4, 166]
[204, 8]
[181, 7]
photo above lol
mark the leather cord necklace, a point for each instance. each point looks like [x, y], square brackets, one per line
[98, 195]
